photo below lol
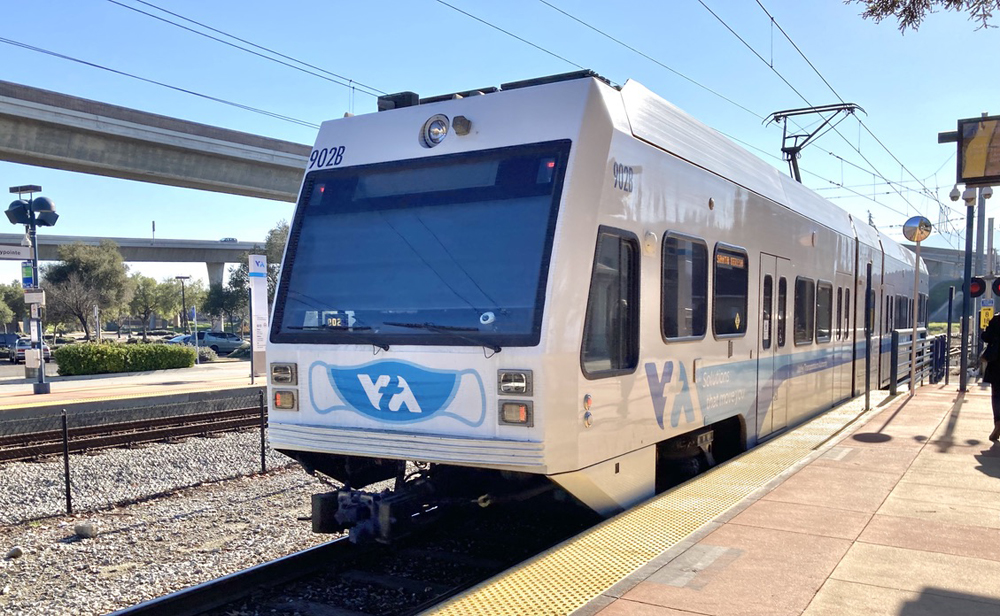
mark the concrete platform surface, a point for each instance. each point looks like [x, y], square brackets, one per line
[16, 393]
[900, 516]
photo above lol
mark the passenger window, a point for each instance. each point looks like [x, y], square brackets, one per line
[685, 287]
[805, 305]
[765, 325]
[840, 308]
[782, 304]
[847, 314]
[729, 306]
[611, 328]
[824, 311]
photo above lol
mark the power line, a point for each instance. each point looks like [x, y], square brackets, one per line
[508, 33]
[54, 54]
[651, 59]
[778, 73]
[835, 93]
[333, 77]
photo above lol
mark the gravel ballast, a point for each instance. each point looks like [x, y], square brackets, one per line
[149, 548]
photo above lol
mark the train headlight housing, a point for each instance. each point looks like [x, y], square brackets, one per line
[519, 413]
[514, 382]
[286, 400]
[434, 131]
[284, 374]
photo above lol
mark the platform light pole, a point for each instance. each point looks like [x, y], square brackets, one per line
[916, 229]
[33, 213]
[184, 303]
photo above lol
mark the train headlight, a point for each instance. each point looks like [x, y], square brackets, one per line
[516, 413]
[514, 382]
[285, 400]
[284, 374]
[434, 131]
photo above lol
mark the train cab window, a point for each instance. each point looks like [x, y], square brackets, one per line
[767, 294]
[824, 311]
[729, 305]
[782, 305]
[685, 287]
[611, 328]
[840, 309]
[805, 306]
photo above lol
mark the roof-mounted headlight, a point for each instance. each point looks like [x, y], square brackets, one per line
[434, 131]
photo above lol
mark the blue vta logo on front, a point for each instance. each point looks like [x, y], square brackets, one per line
[394, 391]
[657, 391]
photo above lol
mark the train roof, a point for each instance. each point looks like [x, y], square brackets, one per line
[662, 124]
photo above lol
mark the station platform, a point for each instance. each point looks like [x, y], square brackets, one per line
[890, 511]
[18, 392]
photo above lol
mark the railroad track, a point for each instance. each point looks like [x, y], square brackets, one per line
[456, 552]
[35, 445]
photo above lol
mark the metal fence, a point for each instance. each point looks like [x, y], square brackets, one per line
[931, 358]
[79, 482]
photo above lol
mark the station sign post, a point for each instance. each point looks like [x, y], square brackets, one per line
[258, 314]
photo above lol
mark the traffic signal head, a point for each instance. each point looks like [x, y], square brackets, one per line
[996, 287]
[977, 286]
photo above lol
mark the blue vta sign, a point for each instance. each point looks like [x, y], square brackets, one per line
[658, 385]
[396, 391]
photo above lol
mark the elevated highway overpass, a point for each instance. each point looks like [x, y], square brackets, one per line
[49, 129]
[214, 254]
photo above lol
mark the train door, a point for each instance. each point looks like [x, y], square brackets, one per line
[841, 338]
[772, 364]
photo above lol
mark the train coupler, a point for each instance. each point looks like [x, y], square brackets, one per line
[367, 516]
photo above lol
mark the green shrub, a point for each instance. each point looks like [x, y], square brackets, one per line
[107, 357]
[206, 355]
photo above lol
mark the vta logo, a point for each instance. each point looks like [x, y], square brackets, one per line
[658, 393]
[258, 263]
[397, 396]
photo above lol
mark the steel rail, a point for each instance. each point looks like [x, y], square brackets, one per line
[235, 586]
[40, 444]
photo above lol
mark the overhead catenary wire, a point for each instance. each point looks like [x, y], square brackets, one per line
[874, 169]
[341, 80]
[61, 56]
[521, 39]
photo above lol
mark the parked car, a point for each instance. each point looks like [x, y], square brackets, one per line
[16, 353]
[220, 342]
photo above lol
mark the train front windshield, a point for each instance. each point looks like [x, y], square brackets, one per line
[447, 250]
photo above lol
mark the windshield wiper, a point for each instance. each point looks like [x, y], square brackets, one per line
[448, 329]
[344, 328]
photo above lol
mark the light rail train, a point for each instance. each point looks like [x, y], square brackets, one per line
[558, 284]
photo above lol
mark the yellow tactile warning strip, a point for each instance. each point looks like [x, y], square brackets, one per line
[30, 402]
[567, 576]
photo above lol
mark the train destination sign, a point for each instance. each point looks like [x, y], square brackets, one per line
[979, 151]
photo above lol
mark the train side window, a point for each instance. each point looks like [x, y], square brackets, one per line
[840, 309]
[729, 303]
[765, 316]
[824, 311]
[611, 328]
[685, 287]
[805, 306]
[782, 305]
[847, 314]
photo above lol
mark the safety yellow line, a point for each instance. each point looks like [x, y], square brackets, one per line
[566, 577]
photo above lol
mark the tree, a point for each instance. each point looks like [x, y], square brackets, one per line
[274, 249]
[149, 297]
[911, 12]
[87, 276]
[223, 302]
[12, 297]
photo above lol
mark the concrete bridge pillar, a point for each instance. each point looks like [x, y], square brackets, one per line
[216, 273]
[216, 276]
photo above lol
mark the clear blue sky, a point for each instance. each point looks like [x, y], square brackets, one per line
[911, 85]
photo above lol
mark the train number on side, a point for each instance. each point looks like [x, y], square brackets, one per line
[623, 177]
[326, 157]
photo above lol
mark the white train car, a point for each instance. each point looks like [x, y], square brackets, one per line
[556, 283]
